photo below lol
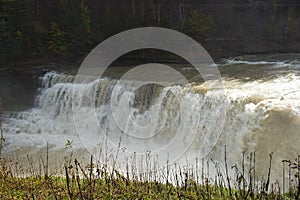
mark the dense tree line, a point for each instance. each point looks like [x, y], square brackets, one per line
[29, 31]
[70, 28]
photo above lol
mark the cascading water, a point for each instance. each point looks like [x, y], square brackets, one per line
[262, 115]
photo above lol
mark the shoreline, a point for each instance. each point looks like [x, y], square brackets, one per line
[77, 176]
[128, 61]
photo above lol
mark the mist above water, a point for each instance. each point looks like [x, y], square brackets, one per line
[261, 108]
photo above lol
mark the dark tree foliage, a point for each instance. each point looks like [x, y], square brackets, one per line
[29, 30]
[68, 29]
[16, 30]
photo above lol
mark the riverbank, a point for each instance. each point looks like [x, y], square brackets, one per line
[262, 116]
[95, 181]
[140, 57]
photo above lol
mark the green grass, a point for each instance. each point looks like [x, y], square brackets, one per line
[79, 183]
[109, 188]
[96, 181]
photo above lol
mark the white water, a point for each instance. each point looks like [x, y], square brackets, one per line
[261, 116]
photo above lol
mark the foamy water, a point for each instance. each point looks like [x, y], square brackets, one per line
[261, 115]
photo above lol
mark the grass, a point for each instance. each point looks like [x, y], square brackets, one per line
[108, 188]
[113, 188]
[95, 180]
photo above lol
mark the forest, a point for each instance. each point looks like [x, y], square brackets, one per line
[43, 31]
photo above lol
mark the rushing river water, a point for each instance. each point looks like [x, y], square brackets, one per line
[262, 110]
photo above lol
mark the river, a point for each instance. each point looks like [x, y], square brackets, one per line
[262, 111]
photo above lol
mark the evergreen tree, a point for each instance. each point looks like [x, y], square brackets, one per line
[69, 33]
[199, 25]
[16, 27]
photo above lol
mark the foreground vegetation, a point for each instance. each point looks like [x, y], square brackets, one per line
[112, 188]
[108, 187]
[91, 181]
[104, 180]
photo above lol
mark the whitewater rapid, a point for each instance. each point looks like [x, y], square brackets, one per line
[261, 115]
